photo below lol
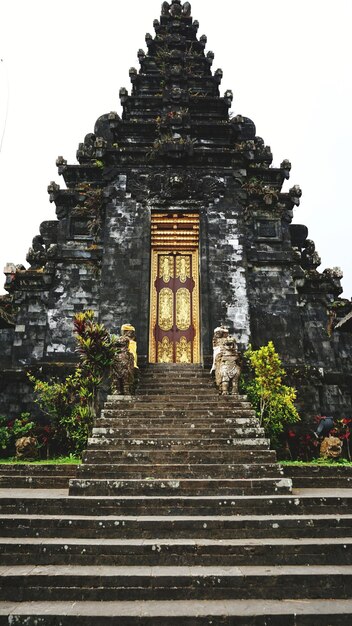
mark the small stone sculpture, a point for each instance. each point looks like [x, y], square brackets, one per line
[122, 369]
[310, 258]
[129, 331]
[226, 362]
[36, 255]
[26, 448]
[331, 448]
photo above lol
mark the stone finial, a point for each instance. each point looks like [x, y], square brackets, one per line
[165, 9]
[140, 54]
[133, 74]
[148, 39]
[295, 194]
[203, 40]
[156, 25]
[286, 166]
[36, 255]
[53, 188]
[60, 161]
[113, 115]
[123, 93]
[175, 8]
[334, 272]
[218, 76]
[210, 57]
[195, 25]
[10, 268]
[310, 259]
[186, 9]
[228, 95]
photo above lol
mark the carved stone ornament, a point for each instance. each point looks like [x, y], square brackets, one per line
[310, 259]
[122, 369]
[36, 255]
[180, 186]
[226, 361]
[176, 9]
[331, 448]
[26, 448]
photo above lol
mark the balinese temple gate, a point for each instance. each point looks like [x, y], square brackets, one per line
[174, 220]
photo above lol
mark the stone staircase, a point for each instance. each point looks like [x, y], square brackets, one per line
[179, 514]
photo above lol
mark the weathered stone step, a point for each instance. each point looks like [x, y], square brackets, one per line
[265, 612]
[74, 582]
[179, 421]
[186, 486]
[180, 456]
[31, 503]
[206, 552]
[178, 395]
[15, 481]
[165, 409]
[176, 432]
[34, 469]
[192, 400]
[167, 471]
[178, 443]
[183, 527]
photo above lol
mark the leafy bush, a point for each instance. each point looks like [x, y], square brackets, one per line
[271, 398]
[5, 434]
[71, 405]
[10, 430]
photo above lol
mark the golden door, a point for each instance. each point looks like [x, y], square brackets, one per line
[174, 329]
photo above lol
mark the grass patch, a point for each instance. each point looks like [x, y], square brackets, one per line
[62, 460]
[315, 462]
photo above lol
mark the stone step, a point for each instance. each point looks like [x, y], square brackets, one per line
[153, 412]
[178, 443]
[97, 583]
[15, 481]
[167, 471]
[179, 421]
[34, 469]
[191, 401]
[176, 432]
[54, 503]
[156, 527]
[178, 395]
[186, 486]
[264, 612]
[175, 552]
[180, 456]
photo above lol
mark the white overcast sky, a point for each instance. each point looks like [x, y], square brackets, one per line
[287, 62]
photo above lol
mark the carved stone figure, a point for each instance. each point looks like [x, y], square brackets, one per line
[220, 334]
[122, 369]
[165, 8]
[129, 331]
[226, 362]
[310, 258]
[186, 9]
[36, 255]
[26, 448]
[331, 448]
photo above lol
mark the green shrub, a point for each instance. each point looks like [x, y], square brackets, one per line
[271, 398]
[71, 405]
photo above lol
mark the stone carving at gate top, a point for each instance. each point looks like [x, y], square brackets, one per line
[226, 363]
[122, 369]
[176, 9]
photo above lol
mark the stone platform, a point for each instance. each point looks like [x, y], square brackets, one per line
[179, 514]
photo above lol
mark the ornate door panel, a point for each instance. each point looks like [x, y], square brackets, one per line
[174, 330]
